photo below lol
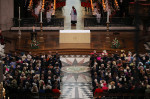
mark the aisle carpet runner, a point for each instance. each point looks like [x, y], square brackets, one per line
[76, 77]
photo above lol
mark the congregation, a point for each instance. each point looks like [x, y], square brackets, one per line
[119, 73]
[27, 73]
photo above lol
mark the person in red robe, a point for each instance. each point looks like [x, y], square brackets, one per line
[98, 91]
[56, 92]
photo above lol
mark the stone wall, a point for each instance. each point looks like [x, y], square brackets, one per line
[1, 72]
[1, 67]
[6, 14]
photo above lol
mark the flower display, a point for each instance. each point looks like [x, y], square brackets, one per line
[34, 44]
[115, 43]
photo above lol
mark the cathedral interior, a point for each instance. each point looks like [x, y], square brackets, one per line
[74, 49]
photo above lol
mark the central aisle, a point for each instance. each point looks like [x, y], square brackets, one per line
[76, 77]
[67, 17]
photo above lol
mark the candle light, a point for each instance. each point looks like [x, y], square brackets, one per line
[41, 16]
[43, 4]
[33, 28]
[107, 15]
[3, 91]
[92, 5]
[107, 8]
[54, 4]
[19, 12]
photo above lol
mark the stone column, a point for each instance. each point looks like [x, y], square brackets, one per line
[0, 13]
[1, 70]
[6, 14]
[1, 67]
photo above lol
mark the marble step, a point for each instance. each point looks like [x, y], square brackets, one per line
[147, 47]
[148, 43]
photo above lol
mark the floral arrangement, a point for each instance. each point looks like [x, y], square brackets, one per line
[115, 43]
[34, 44]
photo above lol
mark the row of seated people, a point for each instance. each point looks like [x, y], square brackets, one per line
[119, 74]
[27, 73]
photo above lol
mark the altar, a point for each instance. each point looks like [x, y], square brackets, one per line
[74, 36]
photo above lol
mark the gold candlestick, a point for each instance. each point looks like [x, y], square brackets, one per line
[107, 26]
[41, 26]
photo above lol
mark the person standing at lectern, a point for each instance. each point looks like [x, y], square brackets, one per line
[33, 33]
[73, 15]
[33, 28]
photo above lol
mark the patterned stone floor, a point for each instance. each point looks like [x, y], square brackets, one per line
[76, 78]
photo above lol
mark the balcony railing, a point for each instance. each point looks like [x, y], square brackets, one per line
[29, 22]
[123, 95]
[115, 21]
[33, 96]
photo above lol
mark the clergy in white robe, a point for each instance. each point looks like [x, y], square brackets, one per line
[73, 15]
[95, 11]
[37, 10]
[49, 15]
[98, 17]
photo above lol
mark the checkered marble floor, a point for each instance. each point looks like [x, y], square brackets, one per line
[76, 77]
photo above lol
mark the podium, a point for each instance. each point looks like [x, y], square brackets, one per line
[33, 35]
[74, 36]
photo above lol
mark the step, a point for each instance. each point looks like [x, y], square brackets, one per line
[146, 47]
[148, 43]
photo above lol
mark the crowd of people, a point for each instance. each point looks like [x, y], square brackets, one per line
[116, 73]
[27, 73]
[120, 73]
